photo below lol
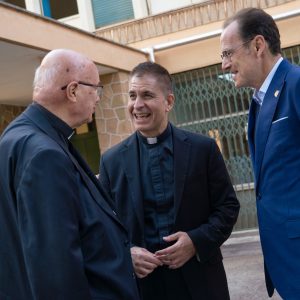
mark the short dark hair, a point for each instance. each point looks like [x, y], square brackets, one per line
[156, 70]
[255, 21]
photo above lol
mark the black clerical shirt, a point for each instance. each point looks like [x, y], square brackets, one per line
[157, 177]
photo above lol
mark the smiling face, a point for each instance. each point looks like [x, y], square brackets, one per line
[149, 104]
[242, 58]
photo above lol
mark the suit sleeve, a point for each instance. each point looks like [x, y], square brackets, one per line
[224, 208]
[49, 226]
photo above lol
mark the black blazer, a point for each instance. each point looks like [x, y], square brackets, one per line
[60, 238]
[205, 203]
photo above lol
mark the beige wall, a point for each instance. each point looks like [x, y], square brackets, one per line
[207, 52]
[112, 119]
[7, 114]
[34, 31]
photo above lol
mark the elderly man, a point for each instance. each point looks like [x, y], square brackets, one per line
[60, 238]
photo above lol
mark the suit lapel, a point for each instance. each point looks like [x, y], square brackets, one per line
[87, 175]
[181, 149]
[266, 115]
[251, 129]
[130, 163]
[91, 181]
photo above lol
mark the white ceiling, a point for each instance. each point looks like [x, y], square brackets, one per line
[17, 67]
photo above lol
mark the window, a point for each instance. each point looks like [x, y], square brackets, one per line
[112, 11]
[20, 3]
[58, 9]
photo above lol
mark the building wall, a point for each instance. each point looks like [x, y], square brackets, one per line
[8, 113]
[112, 119]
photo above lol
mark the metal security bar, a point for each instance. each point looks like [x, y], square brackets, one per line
[207, 102]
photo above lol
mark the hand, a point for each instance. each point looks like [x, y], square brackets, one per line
[179, 253]
[144, 262]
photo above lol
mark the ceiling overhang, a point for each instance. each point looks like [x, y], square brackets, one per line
[25, 38]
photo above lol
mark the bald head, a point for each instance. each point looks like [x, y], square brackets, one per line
[57, 85]
[58, 67]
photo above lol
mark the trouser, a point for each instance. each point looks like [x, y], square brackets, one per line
[165, 284]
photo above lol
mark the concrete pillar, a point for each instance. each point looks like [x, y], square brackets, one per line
[112, 119]
[140, 9]
[34, 6]
[86, 14]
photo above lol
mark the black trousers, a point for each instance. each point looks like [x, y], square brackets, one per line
[164, 284]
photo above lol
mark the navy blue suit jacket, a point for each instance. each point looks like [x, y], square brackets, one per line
[205, 203]
[60, 238]
[275, 152]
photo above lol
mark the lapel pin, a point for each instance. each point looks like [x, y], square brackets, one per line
[276, 93]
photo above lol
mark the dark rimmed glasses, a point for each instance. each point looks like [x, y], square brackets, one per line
[99, 87]
[228, 53]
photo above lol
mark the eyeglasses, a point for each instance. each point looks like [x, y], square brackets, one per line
[228, 53]
[97, 86]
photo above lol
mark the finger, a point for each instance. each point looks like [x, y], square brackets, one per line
[172, 237]
[142, 273]
[144, 256]
[167, 252]
[175, 265]
[166, 261]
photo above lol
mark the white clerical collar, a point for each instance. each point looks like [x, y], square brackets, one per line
[152, 140]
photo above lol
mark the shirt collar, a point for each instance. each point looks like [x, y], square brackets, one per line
[259, 95]
[158, 139]
[63, 128]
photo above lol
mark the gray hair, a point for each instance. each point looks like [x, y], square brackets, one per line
[45, 77]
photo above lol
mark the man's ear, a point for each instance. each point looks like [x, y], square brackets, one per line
[71, 91]
[170, 102]
[260, 44]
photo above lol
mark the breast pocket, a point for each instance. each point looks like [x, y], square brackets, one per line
[280, 120]
[280, 124]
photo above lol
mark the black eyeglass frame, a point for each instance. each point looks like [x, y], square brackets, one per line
[99, 87]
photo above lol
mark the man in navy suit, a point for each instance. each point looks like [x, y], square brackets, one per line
[60, 237]
[173, 192]
[251, 51]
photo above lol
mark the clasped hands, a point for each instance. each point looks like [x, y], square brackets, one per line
[174, 256]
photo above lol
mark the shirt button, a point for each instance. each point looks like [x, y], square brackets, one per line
[126, 242]
[258, 196]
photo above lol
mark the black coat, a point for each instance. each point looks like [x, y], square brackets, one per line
[60, 238]
[205, 203]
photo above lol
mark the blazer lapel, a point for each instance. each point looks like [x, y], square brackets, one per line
[251, 129]
[91, 182]
[266, 115]
[87, 175]
[181, 149]
[130, 162]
